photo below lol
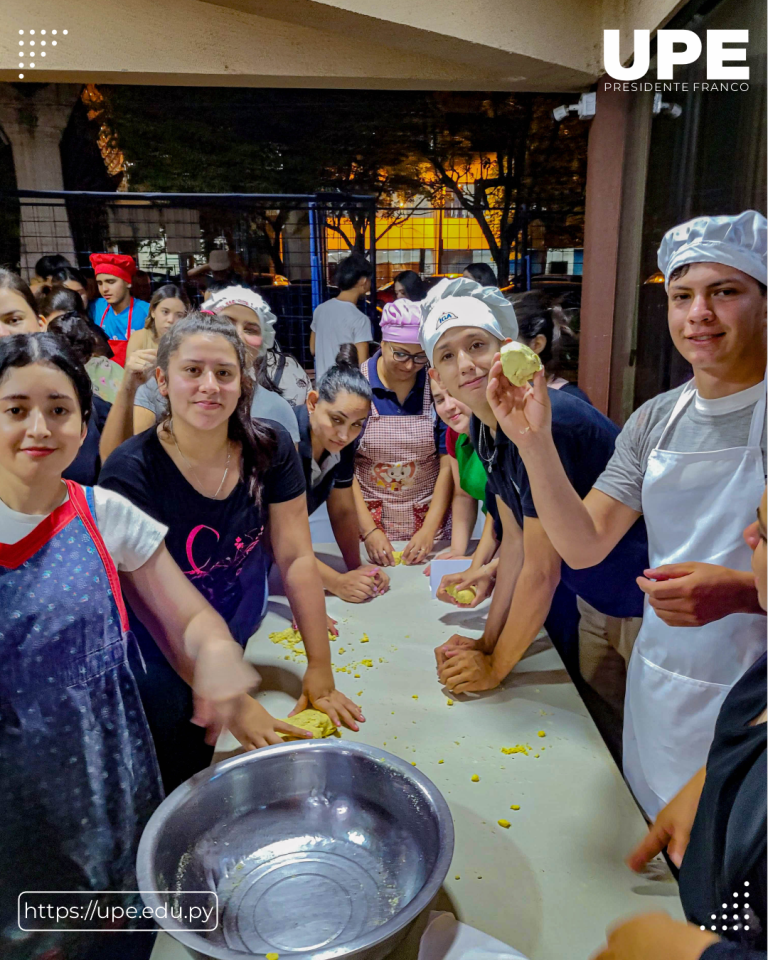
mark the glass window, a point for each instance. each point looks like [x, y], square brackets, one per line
[710, 160]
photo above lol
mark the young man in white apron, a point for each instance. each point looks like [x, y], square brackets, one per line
[692, 462]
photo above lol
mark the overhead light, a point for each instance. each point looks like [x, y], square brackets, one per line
[585, 108]
[657, 277]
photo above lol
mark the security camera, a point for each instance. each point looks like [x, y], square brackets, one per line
[673, 110]
[585, 108]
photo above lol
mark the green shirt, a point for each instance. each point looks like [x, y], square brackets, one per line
[472, 475]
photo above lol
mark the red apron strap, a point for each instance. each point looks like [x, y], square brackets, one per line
[120, 347]
[80, 503]
[130, 316]
[12, 555]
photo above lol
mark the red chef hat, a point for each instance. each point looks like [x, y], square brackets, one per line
[115, 264]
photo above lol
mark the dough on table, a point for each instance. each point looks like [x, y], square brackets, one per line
[319, 725]
[461, 596]
[519, 363]
[397, 555]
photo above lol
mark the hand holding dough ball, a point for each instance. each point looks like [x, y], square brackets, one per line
[461, 596]
[319, 725]
[519, 363]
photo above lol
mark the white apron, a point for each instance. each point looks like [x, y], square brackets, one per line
[696, 506]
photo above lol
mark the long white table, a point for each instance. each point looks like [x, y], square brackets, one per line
[552, 882]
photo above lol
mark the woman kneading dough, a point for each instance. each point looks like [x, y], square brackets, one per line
[404, 483]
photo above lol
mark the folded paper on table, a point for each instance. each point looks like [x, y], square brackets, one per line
[440, 568]
[447, 939]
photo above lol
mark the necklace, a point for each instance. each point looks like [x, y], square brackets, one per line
[481, 442]
[194, 472]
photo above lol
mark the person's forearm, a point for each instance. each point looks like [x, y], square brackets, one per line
[464, 516]
[486, 549]
[529, 608]
[204, 626]
[746, 599]
[364, 519]
[179, 639]
[510, 565]
[569, 524]
[441, 498]
[345, 530]
[119, 424]
[304, 589]
[329, 576]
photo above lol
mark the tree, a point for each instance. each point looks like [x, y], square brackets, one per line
[506, 161]
[356, 145]
[501, 157]
[270, 141]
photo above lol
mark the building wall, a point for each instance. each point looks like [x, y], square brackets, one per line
[409, 44]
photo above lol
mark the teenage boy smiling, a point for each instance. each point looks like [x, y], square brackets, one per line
[462, 329]
[692, 462]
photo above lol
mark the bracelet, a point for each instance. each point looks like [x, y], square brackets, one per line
[373, 530]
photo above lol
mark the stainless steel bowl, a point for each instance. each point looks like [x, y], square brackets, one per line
[321, 849]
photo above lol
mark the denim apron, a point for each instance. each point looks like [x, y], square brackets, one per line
[78, 775]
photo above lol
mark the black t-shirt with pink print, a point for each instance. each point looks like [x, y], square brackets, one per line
[211, 540]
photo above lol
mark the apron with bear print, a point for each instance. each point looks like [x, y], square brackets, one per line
[397, 465]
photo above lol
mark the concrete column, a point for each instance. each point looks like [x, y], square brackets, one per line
[605, 164]
[617, 160]
[34, 122]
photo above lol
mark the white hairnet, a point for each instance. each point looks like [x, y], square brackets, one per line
[464, 303]
[739, 241]
[245, 297]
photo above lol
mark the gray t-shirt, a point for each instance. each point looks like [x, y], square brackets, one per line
[265, 405]
[335, 322]
[703, 425]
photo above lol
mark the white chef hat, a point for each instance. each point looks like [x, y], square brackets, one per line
[464, 303]
[245, 297]
[739, 241]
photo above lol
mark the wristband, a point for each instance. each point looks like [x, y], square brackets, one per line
[373, 530]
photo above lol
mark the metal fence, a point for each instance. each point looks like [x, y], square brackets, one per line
[277, 243]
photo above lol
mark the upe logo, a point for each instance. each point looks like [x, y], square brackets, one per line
[446, 316]
[676, 48]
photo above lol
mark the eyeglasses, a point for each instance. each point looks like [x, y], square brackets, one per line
[400, 356]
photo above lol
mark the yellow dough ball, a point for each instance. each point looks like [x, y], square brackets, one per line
[519, 363]
[504, 823]
[461, 596]
[319, 725]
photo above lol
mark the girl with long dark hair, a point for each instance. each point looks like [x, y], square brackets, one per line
[215, 477]
[169, 303]
[329, 426]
